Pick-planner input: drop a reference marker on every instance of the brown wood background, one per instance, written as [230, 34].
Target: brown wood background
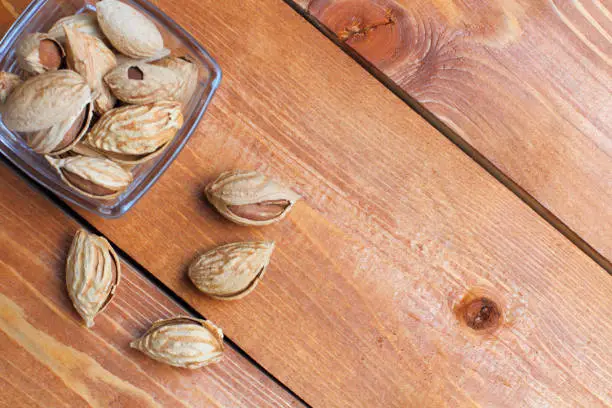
[526, 83]
[397, 226]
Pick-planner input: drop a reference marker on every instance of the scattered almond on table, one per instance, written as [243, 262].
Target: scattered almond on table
[93, 272]
[182, 342]
[99, 95]
[250, 198]
[231, 271]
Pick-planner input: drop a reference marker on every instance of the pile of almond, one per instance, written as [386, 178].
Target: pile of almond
[100, 95]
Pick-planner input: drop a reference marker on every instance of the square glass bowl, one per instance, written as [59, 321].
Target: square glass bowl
[39, 17]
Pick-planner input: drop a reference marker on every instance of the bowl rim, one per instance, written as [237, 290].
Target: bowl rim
[122, 206]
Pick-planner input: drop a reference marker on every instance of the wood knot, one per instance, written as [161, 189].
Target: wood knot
[479, 312]
[400, 40]
[374, 29]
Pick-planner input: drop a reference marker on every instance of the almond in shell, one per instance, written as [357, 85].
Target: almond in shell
[134, 134]
[8, 82]
[84, 149]
[44, 100]
[93, 272]
[88, 56]
[86, 23]
[51, 111]
[129, 31]
[182, 342]
[187, 70]
[141, 83]
[37, 53]
[250, 198]
[122, 59]
[62, 136]
[231, 271]
[94, 177]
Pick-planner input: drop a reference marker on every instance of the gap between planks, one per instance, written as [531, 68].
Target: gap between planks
[461, 143]
[136, 266]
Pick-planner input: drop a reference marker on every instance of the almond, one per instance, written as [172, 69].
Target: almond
[91, 176]
[61, 137]
[142, 83]
[250, 198]
[86, 23]
[45, 100]
[231, 271]
[130, 31]
[88, 56]
[182, 341]
[93, 272]
[188, 72]
[38, 53]
[134, 134]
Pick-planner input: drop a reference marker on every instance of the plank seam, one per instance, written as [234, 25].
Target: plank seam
[458, 141]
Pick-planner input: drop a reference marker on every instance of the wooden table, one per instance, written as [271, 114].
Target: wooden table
[445, 150]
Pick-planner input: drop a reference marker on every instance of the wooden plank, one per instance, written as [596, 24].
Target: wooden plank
[397, 226]
[527, 84]
[359, 305]
[49, 359]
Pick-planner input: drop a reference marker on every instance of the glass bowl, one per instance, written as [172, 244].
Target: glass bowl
[39, 17]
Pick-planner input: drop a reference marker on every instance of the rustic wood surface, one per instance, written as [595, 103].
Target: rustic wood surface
[526, 83]
[397, 226]
[362, 303]
[50, 359]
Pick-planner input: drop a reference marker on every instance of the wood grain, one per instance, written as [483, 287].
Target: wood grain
[361, 305]
[528, 84]
[49, 358]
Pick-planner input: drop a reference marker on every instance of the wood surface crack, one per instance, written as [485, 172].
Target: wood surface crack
[357, 29]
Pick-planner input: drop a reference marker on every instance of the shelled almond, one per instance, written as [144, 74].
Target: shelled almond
[96, 97]
[38, 53]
